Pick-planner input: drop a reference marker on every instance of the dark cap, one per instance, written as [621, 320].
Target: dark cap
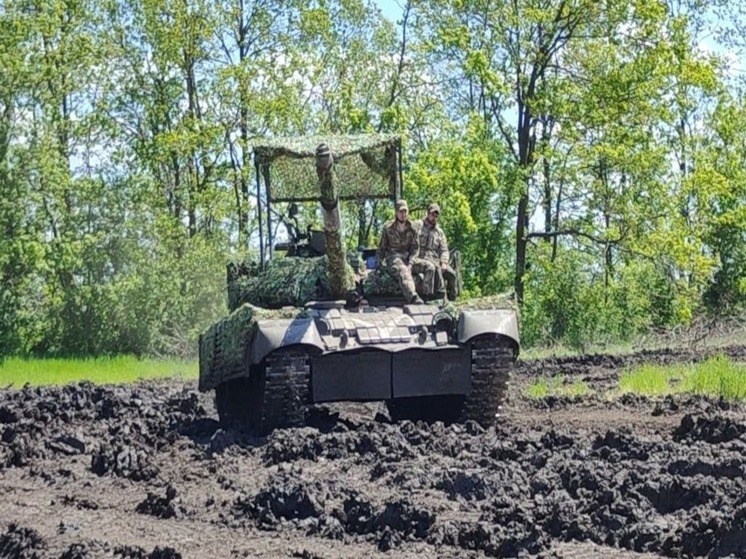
[401, 205]
[433, 208]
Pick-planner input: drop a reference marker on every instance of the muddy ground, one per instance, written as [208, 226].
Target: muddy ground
[144, 471]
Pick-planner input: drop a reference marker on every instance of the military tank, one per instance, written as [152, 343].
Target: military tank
[309, 324]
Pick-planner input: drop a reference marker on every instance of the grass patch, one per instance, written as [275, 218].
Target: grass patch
[102, 370]
[652, 380]
[719, 376]
[556, 386]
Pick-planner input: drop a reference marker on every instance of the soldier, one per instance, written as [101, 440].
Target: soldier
[434, 249]
[398, 249]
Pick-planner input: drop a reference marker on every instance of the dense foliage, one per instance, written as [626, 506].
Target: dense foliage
[590, 156]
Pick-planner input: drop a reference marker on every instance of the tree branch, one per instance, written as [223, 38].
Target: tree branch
[400, 66]
[573, 232]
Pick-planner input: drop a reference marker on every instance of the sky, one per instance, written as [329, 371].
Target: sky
[390, 8]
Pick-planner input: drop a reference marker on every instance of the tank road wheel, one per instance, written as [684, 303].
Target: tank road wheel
[492, 360]
[276, 394]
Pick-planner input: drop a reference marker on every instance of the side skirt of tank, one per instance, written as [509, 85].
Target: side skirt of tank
[382, 375]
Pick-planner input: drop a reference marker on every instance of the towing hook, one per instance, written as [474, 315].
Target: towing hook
[422, 335]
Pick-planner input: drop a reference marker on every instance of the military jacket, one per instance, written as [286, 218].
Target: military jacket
[403, 244]
[433, 244]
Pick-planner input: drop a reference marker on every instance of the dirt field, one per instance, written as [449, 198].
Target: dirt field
[145, 471]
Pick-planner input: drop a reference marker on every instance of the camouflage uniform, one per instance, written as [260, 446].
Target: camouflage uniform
[397, 250]
[434, 249]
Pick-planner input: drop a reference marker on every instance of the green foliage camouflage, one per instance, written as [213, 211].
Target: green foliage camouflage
[222, 347]
[304, 147]
[491, 302]
[382, 282]
[290, 281]
[363, 165]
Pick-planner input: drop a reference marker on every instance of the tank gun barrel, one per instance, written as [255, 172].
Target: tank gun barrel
[335, 252]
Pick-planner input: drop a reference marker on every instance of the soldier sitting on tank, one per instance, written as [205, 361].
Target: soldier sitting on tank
[398, 249]
[434, 251]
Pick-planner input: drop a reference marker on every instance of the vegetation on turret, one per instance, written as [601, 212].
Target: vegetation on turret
[289, 282]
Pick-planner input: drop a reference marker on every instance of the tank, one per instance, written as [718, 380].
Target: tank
[312, 322]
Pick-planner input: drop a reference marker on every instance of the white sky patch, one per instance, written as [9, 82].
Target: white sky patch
[732, 60]
[391, 9]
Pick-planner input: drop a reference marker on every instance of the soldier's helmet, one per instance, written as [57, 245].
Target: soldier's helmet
[433, 208]
[401, 205]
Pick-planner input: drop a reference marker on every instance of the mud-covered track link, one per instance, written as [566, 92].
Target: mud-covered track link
[276, 394]
[492, 361]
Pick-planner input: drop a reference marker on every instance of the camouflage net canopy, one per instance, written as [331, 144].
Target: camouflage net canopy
[364, 166]
[504, 301]
[382, 282]
[289, 281]
[222, 347]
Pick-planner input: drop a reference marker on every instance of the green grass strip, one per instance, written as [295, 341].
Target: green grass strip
[651, 380]
[17, 372]
[556, 386]
[718, 376]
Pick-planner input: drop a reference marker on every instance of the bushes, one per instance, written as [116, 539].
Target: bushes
[156, 303]
[571, 301]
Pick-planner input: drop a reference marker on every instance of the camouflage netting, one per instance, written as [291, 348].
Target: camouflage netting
[500, 301]
[222, 347]
[380, 282]
[286, 282]
[364, 166]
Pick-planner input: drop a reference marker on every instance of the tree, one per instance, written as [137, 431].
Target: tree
[516, 65]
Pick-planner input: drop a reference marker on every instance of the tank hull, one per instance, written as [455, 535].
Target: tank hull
[363, 354]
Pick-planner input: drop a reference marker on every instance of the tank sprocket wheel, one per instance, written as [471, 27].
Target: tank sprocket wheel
[275, 395]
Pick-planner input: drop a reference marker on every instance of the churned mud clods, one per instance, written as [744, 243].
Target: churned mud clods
[146, 471]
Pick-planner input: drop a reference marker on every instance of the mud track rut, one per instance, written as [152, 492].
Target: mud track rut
[144, 471]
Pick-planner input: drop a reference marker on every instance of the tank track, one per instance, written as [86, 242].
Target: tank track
[283, 399]
[492, 360]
